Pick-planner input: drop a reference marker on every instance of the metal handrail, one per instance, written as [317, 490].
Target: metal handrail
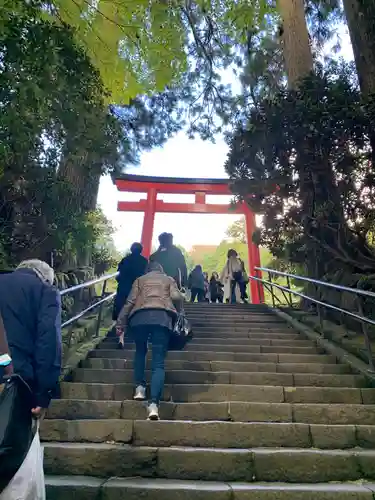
[103, 299]
[317, 282]
[88, 283]
[358, 317]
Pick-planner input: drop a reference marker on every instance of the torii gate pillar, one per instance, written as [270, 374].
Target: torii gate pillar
[199, 187]
[148, 222]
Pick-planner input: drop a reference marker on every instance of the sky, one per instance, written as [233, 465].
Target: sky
[179, 157]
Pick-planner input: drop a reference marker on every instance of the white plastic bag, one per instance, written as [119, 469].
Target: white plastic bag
[28, 482]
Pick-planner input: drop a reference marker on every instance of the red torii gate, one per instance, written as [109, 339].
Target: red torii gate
[200, 188]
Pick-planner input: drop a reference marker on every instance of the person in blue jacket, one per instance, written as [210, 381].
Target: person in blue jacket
[30, 307]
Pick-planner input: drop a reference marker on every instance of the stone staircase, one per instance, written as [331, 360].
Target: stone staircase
[252, 411]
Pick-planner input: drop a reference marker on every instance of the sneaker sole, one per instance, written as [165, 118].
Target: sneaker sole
[138, 398]
[153, 418]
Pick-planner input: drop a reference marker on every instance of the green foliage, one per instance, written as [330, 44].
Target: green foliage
[140, 46]
[57, 137]
[237, 230]
[188, 259]
[216, 260]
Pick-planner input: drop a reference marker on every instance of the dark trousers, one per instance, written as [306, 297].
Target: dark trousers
[197, 293]
[242, 287]
[216, 298]
[159, 337]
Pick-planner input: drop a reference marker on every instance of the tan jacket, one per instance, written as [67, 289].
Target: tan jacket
[154, 290]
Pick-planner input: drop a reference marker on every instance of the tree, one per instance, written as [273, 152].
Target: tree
[58, 137]
[237, 230]
[137, 46]
[316, 216]
[264, 161]
[188, 259]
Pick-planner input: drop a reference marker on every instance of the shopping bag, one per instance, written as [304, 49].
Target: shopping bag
[28, 482]
[181, 334]
[15, 427]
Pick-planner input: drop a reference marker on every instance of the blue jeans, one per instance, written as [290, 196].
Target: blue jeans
[159, 337]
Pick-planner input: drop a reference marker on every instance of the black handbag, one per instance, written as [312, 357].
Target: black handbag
[16, 432]
[181, 334]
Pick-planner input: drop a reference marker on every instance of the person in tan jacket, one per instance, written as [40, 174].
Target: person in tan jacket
[150, 312]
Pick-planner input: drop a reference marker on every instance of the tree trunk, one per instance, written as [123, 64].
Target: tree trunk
[360, 15]
[295, 41]
[83, 182]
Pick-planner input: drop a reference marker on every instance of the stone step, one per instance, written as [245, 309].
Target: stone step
[270, 319]
[227, 311]
[240, 335]
[338, 414]
[228, 333]
[239, 325]
[194, 346]
[110, 376]
[224, 356]
[90, 488]
[224, 392]
[248, 338]
[250, 322]
[244, 342]
[291, 465]
[218, 366]
[209, 434]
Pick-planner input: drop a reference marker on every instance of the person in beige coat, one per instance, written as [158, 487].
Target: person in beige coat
[150, 312]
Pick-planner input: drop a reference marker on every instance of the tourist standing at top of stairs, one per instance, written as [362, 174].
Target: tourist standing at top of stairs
[234, 274]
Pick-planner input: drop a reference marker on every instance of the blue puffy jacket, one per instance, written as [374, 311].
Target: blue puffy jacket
[31, 312]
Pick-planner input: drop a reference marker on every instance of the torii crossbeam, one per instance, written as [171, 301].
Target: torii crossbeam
[200, 188]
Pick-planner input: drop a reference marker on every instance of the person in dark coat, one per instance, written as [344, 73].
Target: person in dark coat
[30, 307]
[196, 284]
[171, 259]
[216, 289]
[130, 268]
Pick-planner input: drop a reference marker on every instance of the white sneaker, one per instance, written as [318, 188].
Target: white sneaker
[153, 412]
[140, 393]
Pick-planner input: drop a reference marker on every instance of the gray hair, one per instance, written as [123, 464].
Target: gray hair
[154, 266]
[40, 268]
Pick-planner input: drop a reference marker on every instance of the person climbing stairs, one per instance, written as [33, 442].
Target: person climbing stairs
[252, 411]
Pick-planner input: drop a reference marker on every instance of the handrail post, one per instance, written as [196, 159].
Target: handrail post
[367, 338]
[272, 292]
[100, 313]
[290, 293]
[261, 297]
[319, 312]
